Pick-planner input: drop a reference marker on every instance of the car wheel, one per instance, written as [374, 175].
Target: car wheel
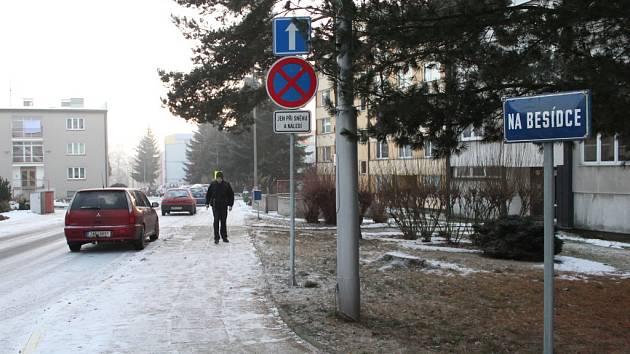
[157, 232]
[163, 213]
[141, 242]
[74, 247]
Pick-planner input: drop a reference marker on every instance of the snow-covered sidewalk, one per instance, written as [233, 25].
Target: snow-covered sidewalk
[25, 221]
[182, 294]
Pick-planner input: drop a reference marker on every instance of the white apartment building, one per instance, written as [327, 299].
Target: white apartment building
[63, 149]
[175, 146]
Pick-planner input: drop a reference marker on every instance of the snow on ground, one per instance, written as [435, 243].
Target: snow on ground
[593, 241]
[584, 266]
[182, 294]
[24, 221]
[398, 259]
[446, 268]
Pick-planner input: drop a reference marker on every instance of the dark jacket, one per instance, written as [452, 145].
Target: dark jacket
[220, 195]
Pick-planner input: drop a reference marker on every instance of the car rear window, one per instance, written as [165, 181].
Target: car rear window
[197, 192]
[176, 193]
[102, 200]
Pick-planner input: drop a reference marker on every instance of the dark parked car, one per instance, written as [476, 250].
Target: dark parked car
[177, 200]
[199, 193]
[111, 215]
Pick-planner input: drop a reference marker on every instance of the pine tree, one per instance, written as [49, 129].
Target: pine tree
[486, 50]
[146, 165]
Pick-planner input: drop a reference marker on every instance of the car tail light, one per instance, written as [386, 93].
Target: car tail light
[67, 218]
[132, 218]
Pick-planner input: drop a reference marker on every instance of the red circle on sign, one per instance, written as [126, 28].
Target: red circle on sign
[304, 93]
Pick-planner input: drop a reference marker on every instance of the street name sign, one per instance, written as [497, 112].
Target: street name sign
[291, 35]
[547, 119]
[551, 117]
[291, 82]
[292, 122]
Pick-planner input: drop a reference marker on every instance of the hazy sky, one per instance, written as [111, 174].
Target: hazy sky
[107, 51]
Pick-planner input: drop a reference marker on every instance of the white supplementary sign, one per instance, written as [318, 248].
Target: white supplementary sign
[292, 121]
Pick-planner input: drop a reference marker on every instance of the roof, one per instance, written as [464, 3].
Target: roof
[54, 109]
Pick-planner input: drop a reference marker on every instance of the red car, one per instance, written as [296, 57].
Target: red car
[178, 199]
[111, 215]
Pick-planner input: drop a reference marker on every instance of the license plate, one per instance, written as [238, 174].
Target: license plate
[176, 208]
[98, 234]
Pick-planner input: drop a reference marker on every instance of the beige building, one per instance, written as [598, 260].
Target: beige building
[376, 158]
[64, 149]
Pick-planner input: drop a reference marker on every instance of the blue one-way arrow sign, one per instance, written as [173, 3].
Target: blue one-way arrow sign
[291, 35]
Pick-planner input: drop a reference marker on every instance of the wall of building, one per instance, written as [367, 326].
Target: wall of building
[601, 195]
[53, 172]
[175, 157]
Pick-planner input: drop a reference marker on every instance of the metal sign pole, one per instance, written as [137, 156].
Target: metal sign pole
[292, 206]
[549, 237]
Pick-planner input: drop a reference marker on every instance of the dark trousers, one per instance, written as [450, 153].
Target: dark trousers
[220, 217]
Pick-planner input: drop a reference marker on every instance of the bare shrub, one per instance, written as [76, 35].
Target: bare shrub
[311, 190]
[413, 204]
[454, 227]
[365, 201]
[378, 211]
[328, 198]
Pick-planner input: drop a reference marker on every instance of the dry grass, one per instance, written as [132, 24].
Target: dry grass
[409, 310]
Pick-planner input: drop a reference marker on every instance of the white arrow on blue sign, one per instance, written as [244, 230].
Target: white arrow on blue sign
[291, 35]
[551, 117]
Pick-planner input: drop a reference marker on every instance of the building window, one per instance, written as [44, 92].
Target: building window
[605, 150]
[382, 150]
[472, 133]
[431, 180]
[75, 149]
[476, 172]
[27, 128]
[431, 72]
[326, 154]
[428, 149]
[404, 151]
[76, 173]
[363, 167]
[75, 123]
[363, 104]
[405, 79]
[28, 152]
[326, 126]
[326, 98]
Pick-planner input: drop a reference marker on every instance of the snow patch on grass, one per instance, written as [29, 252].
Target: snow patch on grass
[446, 268]
[584, 266]
[593, 241]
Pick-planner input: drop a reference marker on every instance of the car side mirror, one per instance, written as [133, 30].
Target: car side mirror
[155, 205]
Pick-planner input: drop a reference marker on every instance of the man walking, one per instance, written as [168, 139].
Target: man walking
[221, 197]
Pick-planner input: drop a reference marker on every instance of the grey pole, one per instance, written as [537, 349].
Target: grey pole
[548, 277]
[292, 206]
[255, 85]
[348, 287]
[255, 154]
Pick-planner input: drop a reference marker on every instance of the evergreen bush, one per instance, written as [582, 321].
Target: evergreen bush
[5, 190]
[513, 237]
